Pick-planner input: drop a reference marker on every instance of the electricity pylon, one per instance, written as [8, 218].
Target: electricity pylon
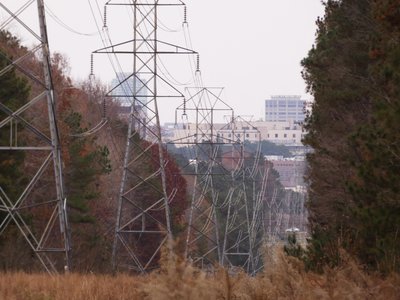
[39, 210]
[228, 179]
[243, 230]
[225, 220]
[209, 176]
[144, 216]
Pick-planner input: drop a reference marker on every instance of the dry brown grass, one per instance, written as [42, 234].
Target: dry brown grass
[285, 279]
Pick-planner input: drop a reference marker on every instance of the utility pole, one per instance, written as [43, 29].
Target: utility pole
[47, 232]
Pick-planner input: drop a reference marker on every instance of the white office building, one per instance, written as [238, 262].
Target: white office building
[285, 109]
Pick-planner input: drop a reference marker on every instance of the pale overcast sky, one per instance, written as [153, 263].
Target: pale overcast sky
[251, 48]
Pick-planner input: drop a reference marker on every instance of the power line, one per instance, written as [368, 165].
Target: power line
[64, 25]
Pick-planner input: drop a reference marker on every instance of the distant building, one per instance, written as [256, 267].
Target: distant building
[232, 159]
[282, 133]
[285, 109]
[291, 171]
[124, 86]
[128, 90]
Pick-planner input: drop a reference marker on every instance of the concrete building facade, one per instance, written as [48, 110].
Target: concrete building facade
[283, 133]
[285, 108]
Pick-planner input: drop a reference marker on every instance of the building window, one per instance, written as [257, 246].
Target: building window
[294, 135]
[276, 135]
[247, 135]
[285, 135]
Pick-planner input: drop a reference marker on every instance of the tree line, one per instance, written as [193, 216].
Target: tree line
[353, 72]
[91, 163]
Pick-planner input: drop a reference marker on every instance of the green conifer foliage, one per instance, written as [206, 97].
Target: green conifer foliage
[87, 161]
[353, 72]
[377, 146]
[14, 92]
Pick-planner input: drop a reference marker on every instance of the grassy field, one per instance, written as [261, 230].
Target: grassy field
[285, 279]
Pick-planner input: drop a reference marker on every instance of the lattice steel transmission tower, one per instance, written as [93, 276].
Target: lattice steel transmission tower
[258, 228]
[144, 216]
[244, 213]
[38, 210]
[199, 138]
[225, 220]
